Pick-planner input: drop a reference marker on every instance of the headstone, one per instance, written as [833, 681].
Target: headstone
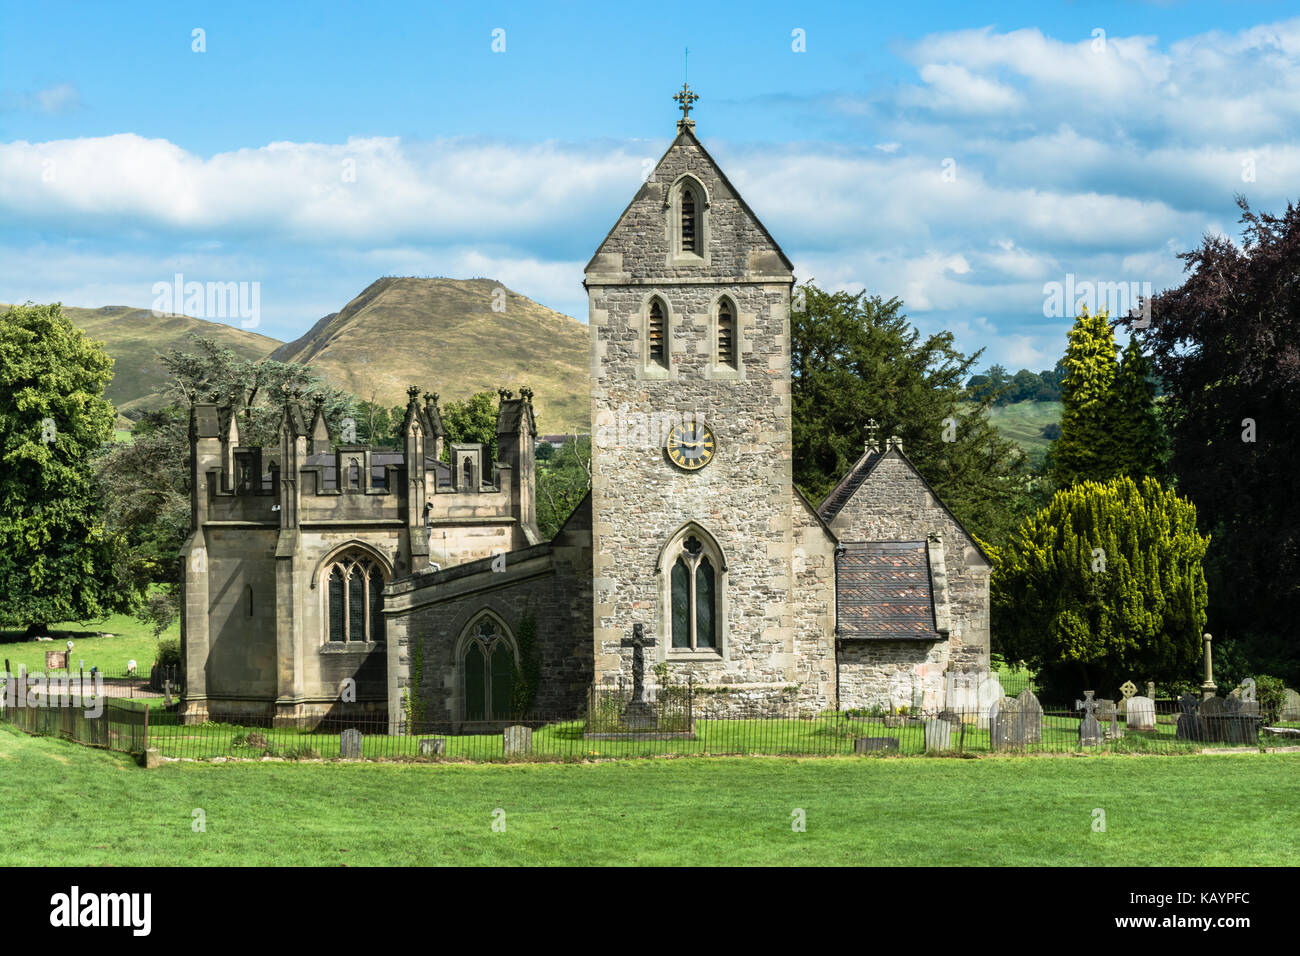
[1127, 689]
[1105, 709]
[1090, 732]
[517, 741]
[951, 716]
[1151, 689]
[350, 744]
[865, 745]
[56, 660]
[1213, 716]
[255, 739]
[1290, 704]
[639, 715]
[990, 690]
[152, 759]
[1030, 728]
[433, 746]
[998, 715]
[1190, 726]
[938, 734]
[961, 693]
[1240, 726]
[1141, 713]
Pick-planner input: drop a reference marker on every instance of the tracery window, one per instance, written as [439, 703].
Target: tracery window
[487, 662]
[694, 590]
[354, 595]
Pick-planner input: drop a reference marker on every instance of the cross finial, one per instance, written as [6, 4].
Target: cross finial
[685, 98]
[872, 427]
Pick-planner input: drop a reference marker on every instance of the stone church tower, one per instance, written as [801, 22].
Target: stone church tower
[691, 506]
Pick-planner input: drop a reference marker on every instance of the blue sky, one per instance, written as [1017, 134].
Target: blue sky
[958, 155]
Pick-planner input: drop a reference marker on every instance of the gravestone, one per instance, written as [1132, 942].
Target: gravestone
[865, 745]
[1106, 709]
[56, 660]
[1213, 715]
[1290, 705]
[1151, 689]
[938, 734]
[1240, 726]
[256, 739]
[1090, 732]
[1127, 689]
[1190, 726]
[517, 741]
[350, 744]
[951, 716]
[639, 714]
[1031, 717]
[990, 690]
[433, 746]
[1141, 713]
[961, 693]
[999, 713]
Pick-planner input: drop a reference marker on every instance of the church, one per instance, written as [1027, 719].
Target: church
[325, 579]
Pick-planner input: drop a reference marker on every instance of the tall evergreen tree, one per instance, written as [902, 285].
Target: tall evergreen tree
[1087, 449]
[1140, 445]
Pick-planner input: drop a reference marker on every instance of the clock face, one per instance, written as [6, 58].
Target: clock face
[690, 446]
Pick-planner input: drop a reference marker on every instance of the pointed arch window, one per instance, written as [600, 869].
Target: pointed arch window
[695, 595]
[354, 595]
[726, 334]
[656, 334]
[487, 665]
[354, 474]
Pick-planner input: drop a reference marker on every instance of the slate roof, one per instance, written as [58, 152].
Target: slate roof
[883, 592]
[848, 485]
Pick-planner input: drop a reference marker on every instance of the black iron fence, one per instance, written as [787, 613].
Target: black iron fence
[613, 725]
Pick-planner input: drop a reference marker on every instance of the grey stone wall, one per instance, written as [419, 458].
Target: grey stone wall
[741, 499]
[894, 503]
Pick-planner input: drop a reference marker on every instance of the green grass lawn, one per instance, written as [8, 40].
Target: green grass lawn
[97, 808]
[131, 640]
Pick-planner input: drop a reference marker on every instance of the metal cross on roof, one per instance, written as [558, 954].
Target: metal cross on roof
[684, 100]
[872, 427]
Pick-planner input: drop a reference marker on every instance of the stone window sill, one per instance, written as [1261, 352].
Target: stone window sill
[685, 654]
[346, 647]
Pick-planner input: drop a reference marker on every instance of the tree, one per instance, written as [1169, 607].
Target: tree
[1226, 347]
[1140, 444]
[1087, 449]
[856, 358]
[1102, 585]
[473, 420]
[562, 482]
[58, 561]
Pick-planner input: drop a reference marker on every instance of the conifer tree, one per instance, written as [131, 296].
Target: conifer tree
[1088, 447]
[1140, 445]
[1103, 584]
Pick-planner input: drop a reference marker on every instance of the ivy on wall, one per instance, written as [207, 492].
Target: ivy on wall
[527, 674]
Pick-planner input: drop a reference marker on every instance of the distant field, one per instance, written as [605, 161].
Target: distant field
[96, 808]
[1023, 423]
[131, 640]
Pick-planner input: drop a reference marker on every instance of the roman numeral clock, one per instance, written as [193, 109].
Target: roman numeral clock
[690, 446]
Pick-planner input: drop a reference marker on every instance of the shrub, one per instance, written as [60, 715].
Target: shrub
[1270, 693]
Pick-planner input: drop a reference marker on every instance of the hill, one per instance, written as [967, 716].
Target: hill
[135, 338]
[1023, 423]
[443, 335]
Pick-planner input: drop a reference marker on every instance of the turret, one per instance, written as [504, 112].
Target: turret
[516, 434]
[293, 456]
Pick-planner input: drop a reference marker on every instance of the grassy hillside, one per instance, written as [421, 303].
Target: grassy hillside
[135, 338]
[443, 335]
[1023, 423]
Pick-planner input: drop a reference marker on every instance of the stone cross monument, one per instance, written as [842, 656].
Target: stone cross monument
[639, 714]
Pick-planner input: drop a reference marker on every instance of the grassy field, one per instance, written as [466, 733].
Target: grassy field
[130, 640]
[98, 808]
[1023, 424]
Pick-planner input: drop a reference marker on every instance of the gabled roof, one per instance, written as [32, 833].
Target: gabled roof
[884, 592]
[686, 137]
[848, 486]
[839, 496]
